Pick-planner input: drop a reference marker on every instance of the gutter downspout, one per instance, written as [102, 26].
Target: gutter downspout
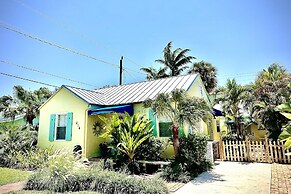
[85, 132]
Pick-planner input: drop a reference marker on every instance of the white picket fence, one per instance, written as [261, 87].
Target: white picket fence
[254, 151]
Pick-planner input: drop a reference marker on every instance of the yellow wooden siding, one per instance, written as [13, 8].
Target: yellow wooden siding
[92, 141]
[63, 102]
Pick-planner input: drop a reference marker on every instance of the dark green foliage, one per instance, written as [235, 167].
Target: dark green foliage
[151, 150]
[105, 150]
[14, 140]
[65, 179]
[165, 129]
[176, 173]
[191, 161]
[207, 73]
[229, 137]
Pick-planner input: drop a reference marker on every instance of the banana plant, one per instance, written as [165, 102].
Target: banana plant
[285, 109]
[134, 131]
[126, 132]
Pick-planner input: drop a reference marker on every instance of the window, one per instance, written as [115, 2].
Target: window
[218, 126]
[165, 129]
[61, 127]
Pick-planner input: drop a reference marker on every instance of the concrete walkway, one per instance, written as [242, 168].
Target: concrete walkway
[231, 177]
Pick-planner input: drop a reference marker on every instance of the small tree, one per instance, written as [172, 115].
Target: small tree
[126, 132]
[180, 109]
[233, 98]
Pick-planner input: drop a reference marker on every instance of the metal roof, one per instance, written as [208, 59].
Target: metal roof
[89, 96]
[135, 92]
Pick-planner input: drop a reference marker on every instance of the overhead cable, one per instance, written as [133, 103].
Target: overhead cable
[45, 73]
[26, 79]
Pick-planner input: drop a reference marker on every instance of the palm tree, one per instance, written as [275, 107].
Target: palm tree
[8, 107]
[29, 101]
[274, 72]
[207, 72]
[153, 74]
[180, 109]
[271, 88]
[232, 98]
[175, 60]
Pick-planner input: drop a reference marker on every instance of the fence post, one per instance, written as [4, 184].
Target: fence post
[267, 154]
[248, 149]
[221, 151]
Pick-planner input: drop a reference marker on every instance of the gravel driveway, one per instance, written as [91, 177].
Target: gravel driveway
[231, 177]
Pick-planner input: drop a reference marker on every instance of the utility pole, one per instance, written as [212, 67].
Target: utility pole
[120, 70]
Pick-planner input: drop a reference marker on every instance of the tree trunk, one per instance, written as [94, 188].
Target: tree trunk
[176, 144]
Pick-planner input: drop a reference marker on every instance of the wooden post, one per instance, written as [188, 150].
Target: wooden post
[267, 153]
[248, 149]
[221, 151]
[271, 152]
[279, 151]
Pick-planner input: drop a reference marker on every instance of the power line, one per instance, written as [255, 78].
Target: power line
[45, 73]
[62, 47]
[26, 79]
[56, 45]
[70, 29]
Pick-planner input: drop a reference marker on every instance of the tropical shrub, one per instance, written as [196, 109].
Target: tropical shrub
[14, 139]
[271, 89]
[285, 110]
[33, 158]
[191, 161]
[151, 149]
[127, 133]
[60, 176]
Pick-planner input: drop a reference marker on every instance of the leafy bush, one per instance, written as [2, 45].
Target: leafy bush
[151, 150]
[33, 158]
[60, 176]
[126, 133]
[13, 140]
[191, 161]
[176, 173]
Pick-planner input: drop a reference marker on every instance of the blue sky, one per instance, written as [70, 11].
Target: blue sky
[239, 38]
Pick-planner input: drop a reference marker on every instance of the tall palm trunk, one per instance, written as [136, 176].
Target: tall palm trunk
[176, 144]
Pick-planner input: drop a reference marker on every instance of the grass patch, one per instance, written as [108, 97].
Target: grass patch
[12, 176]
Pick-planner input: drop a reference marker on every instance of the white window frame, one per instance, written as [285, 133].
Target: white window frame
[56, 125]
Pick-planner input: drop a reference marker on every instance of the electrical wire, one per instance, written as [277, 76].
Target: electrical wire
[61, 47]
[26, 79]
[56, 45]
[45, 73]
[71, 30]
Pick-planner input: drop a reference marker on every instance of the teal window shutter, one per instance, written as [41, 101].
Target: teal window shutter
[153, 118]
[52, 127]
[181, 130]
[69, 126]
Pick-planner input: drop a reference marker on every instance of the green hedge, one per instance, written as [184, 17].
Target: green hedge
[94, 179]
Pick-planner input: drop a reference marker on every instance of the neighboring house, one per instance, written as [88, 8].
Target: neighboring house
[67, 118]
[18, 121]
[224, 125]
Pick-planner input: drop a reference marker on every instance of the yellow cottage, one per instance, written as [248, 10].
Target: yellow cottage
[67, 118]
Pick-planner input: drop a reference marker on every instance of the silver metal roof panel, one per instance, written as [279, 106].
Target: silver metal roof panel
[135, 92]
